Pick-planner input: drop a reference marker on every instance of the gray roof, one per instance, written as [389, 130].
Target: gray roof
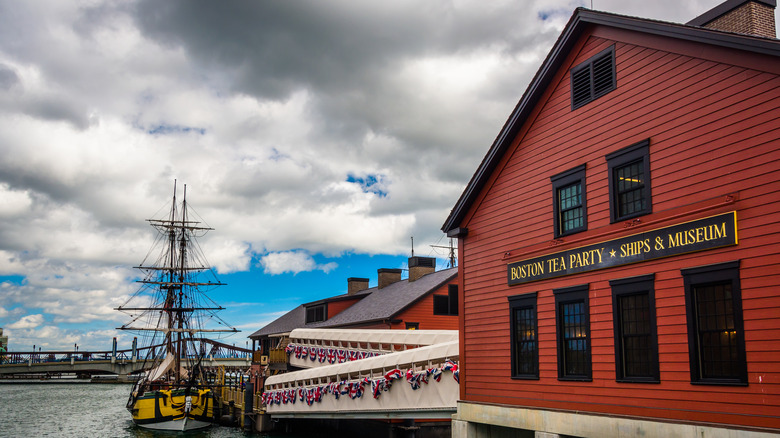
[291, 320]
[377, 305]
[390, 301]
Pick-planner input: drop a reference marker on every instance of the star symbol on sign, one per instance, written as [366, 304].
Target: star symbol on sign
[612, 253]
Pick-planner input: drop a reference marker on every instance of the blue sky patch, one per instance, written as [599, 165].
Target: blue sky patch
[369, 183]
[174, 129]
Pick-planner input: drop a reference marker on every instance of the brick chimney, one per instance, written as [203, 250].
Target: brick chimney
[419, 266]
[388, 277]
[751, 17]
[355, 285]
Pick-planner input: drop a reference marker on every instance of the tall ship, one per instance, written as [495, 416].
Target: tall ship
[172, 314]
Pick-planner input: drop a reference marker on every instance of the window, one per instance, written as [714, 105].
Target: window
[523, 336]
[316, 313]
[629, 182]
[593, 78]
[446, 304]
[636, 339]
[716, 337]
[569, 209]
[573, 331]
[412, 326]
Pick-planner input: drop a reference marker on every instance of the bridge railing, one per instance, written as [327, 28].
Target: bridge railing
[217, 350]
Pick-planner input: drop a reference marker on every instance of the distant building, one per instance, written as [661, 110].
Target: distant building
[426, 300]
[619, 243]
[3, 341]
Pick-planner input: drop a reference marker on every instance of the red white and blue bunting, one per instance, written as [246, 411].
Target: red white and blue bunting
[355, 389]
[330, 355]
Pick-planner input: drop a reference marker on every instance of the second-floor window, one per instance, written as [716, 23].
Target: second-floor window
[316, 313]
[629, 182]
[446, 304]
[569, 207]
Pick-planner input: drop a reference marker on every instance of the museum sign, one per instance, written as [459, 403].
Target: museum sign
[699, 235]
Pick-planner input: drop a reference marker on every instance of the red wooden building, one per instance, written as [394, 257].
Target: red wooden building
[426, 300]
[619, 243]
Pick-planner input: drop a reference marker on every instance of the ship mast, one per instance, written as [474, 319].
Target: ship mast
[173, 284]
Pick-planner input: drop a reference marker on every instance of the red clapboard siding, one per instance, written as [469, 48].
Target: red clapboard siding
[422, 312]
[336, 307]
[713, 129]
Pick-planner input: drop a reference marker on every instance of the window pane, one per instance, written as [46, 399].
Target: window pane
[575, 338]
[441, 304]
[635, 335]
[525, 341]
[716, 332]
[570, 207]
[630, 185]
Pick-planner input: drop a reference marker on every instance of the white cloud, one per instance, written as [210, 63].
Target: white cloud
[27, 322]
[293, 262]
[265, 110]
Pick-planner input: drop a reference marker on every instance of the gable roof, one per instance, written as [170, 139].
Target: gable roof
[286, 323]
[390, 301]
[377, 305]
[580, 21]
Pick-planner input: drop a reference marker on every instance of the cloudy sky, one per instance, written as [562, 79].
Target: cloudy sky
[316, 137]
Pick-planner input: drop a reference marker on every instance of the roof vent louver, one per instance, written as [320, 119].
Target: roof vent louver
[593, 78]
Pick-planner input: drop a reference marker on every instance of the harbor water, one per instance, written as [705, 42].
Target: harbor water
[82, 410]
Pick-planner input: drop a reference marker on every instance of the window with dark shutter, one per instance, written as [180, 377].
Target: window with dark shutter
[569, 207]
[716, 333]
[523, 336]
[572, 319]
[636, 338]
[446, 304]
[629, 182]
[316, 313]
[593, 78]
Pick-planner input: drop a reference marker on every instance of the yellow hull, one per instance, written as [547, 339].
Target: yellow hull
[169, 409]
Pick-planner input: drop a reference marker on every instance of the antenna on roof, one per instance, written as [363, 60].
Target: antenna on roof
[452, 252]
[412, 246]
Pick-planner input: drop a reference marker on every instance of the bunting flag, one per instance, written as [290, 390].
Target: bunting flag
[452, 366]
[355, 389]
[435, 373]
[376, 387]
[332, 355]
[413, 378]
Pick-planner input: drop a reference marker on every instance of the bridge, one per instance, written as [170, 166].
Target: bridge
[118, 362]
[367, 374]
